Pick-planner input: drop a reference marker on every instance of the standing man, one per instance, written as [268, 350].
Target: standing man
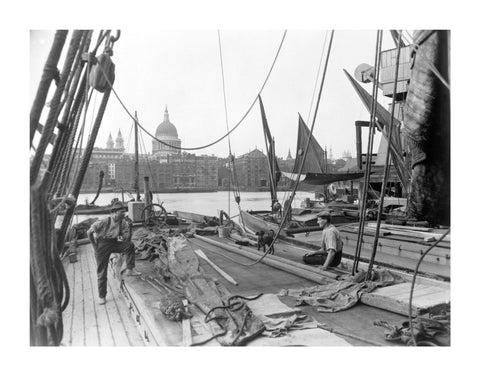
[331, 244]
[111, 235]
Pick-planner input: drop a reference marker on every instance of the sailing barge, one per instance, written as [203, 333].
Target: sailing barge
[199, 285]
[134, 314]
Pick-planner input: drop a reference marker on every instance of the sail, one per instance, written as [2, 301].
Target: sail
[313, 171]
[383, 120]
[427, 124]
[315, 158]
[274, 170]
[323, 178]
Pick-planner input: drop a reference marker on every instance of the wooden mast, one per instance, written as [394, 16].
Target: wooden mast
[137, 188]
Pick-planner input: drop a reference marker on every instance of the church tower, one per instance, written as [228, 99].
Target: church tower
[289, 156]
[110, 144]
[119, 141]
[167, 133]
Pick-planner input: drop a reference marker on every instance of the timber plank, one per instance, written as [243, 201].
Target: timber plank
[427, 300]
[104, 329]
[164, 331]
[186, 332]
[402, 248]
[91, 324]
[78, 318]
[401, 262]
[398, 289]
[399, 303]
[118, 328]
[419, 291]
[68, 313]
[407, 243]
[131, 330]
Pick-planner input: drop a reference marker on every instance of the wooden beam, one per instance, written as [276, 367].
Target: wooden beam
[225, 275]
[186, 333]
[321, 276]
[40, 130]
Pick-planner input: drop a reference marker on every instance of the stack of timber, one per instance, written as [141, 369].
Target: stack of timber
[429, 295]
[398, 247]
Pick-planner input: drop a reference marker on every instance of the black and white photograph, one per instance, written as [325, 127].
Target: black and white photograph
[224, 184]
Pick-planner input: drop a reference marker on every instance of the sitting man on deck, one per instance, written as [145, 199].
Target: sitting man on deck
[331, 244]
[111, 235]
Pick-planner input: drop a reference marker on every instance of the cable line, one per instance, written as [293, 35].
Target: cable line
[226, 114]
[285, 214]
[221, 138]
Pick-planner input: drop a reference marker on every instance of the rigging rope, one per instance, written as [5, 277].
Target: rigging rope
[410, 299]
[66, 132]
[226, 112]
[371, 132]
[386, 169]
[316, 78]
[50, 292]
[221, 138]
[286, 212]
[435, 71]
[49, 72]
[54, 108]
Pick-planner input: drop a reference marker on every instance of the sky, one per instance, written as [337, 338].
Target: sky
[181, 69]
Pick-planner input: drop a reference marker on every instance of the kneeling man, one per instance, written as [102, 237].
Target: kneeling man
[331, 245]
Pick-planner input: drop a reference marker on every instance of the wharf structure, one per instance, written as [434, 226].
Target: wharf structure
[171, 170]
[168, 167]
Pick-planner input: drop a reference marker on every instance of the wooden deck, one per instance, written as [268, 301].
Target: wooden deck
[86, 323]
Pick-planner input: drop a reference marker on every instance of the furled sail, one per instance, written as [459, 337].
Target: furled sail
[427, 125]
[274, 170]
[313, 171]
[323, 178]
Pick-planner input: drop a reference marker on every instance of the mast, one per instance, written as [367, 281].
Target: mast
[136, 186]
[273, 172]
[325, 187]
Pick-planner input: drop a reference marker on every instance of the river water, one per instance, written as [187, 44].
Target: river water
[206, 203]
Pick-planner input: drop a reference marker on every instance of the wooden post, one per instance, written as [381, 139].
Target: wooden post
[146, 183]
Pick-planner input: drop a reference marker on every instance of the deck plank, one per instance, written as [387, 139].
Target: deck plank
[116, 323]
[424, 298]
[78, 319]
[104, 329]
[130, 327]
[86, 323]
[91, 324]
[67, 315]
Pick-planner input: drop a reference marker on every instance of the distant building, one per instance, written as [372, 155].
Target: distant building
[252, 171]
[168, 168]
[166, 132]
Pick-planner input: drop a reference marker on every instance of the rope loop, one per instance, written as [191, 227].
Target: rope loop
[48, 317]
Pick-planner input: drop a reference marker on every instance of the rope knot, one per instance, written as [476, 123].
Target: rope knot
[48, 317]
